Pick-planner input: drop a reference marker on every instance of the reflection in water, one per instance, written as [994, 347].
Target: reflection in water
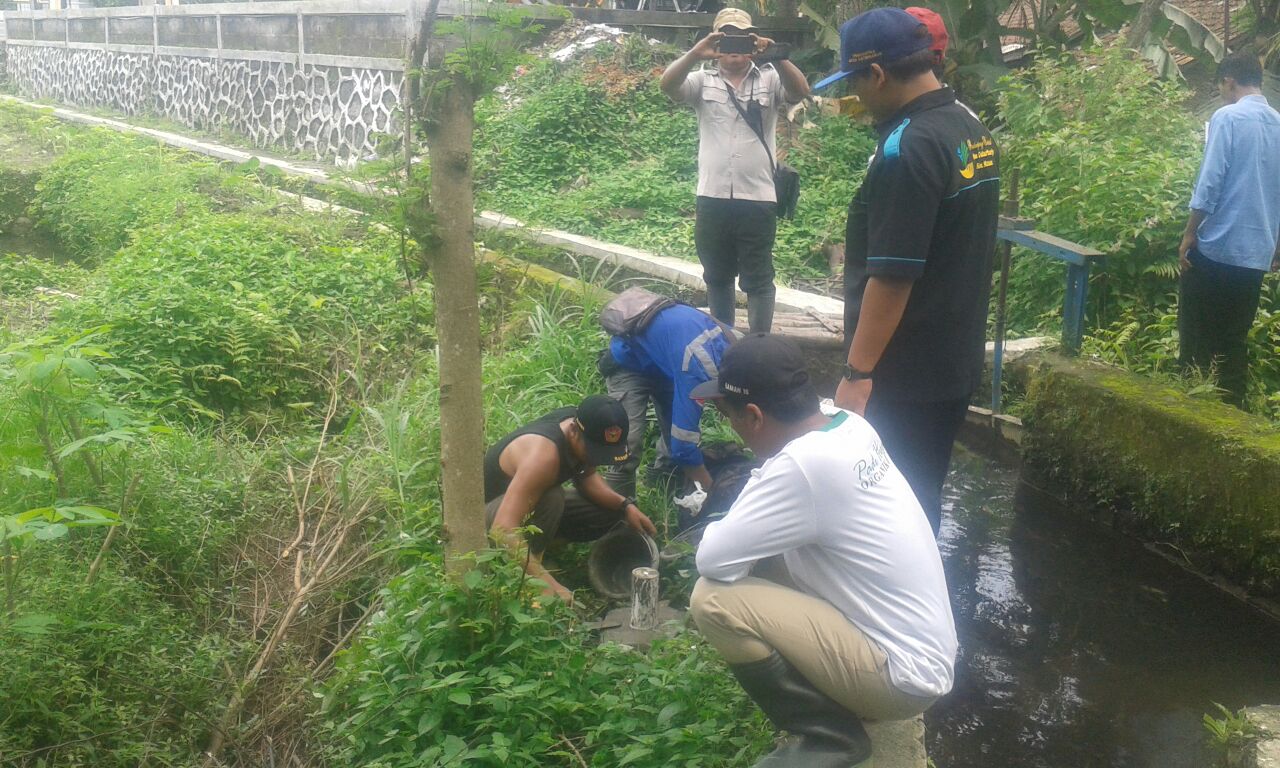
[1079, 648]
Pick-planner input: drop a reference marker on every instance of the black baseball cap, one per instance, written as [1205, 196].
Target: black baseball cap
[604, 426]
[762, 367]
[877, 36]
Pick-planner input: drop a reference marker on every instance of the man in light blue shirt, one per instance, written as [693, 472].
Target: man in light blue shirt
[1231, 237]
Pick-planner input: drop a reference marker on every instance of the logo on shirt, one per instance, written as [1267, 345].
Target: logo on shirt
[966, 160]
[872, 469]
[975, 156]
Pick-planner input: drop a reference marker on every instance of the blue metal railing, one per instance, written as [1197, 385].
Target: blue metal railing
[1079, 259]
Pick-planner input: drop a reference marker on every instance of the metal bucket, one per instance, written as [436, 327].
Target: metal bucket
[613, 557]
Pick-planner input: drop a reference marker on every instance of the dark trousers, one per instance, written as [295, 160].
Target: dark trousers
[561, 514]
[635, 391]
[1217, 304]
[918, 437]
[734, 238]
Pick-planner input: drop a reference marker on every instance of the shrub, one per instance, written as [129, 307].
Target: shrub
[230, 313]
[118, 679]
[20, 275]
[481, 673]
[94, 195]
[1107, 155]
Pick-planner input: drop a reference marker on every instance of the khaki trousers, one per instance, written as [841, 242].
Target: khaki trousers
[749, 619]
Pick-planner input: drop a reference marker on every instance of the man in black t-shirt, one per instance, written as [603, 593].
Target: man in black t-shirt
[524, 475]
[919, 244]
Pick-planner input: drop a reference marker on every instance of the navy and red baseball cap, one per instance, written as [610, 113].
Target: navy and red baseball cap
[937, 29]
[878, 36]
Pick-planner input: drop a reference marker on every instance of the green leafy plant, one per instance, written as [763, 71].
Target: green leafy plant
[1105, 153]
[485, 672]
[1229, 734]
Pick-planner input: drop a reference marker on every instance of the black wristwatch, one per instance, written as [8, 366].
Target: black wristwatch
[853, 374]
[626, 502]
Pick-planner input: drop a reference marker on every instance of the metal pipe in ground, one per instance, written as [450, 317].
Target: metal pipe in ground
[644, 598]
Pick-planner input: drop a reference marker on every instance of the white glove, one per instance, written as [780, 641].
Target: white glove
[694, 500]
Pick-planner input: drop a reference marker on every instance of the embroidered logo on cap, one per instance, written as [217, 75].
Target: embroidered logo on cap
[613, 434]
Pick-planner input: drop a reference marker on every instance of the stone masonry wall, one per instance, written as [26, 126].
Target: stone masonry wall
[329, 112]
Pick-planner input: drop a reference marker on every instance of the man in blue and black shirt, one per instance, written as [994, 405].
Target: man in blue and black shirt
[919, 243]
[1232, 233]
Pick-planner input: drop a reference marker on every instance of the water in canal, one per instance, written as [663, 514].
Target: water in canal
[1078, 648]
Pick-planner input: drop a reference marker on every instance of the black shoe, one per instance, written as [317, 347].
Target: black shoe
[827, 734]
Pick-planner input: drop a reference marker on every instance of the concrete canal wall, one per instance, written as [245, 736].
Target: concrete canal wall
[1197, 479]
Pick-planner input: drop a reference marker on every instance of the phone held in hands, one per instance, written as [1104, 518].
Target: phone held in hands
[737, 44]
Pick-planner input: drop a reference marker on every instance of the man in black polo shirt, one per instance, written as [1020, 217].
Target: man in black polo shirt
[919, 243]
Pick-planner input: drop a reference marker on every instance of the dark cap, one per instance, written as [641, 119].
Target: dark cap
[604, 426]
[878, 36]
[762, 368]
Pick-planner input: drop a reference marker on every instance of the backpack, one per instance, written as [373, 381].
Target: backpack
[632, 311]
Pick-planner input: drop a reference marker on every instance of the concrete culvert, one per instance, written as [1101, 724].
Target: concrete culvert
[613, 557]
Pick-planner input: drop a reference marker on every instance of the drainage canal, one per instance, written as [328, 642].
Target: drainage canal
[1079, 648]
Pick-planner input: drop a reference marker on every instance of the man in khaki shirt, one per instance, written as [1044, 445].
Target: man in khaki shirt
[737, 206]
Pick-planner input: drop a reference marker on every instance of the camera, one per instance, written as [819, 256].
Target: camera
[737, 44]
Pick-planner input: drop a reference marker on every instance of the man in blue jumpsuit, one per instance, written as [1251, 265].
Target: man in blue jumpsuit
[679, 349]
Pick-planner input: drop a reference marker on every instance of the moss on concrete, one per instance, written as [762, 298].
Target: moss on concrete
[1156, 463]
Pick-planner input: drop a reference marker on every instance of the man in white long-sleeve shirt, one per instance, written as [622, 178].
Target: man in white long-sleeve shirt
[864, 630]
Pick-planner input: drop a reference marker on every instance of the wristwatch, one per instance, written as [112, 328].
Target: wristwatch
[626, 502]
[853, 374]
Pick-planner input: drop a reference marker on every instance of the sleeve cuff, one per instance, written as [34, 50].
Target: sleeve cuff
[1202, 205]
[892, 266]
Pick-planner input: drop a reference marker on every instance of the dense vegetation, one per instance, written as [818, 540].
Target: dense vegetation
[592, 146]
[219, 507]
[219, 478]
[1108, 156]
[1106, 151]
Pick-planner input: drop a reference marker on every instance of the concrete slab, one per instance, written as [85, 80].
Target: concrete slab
[616, 627]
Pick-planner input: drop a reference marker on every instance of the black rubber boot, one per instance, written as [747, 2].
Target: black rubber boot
[760, 312]
[827, 734]
[721, 300]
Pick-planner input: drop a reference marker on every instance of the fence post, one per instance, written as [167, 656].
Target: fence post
[1006, 250]
[1073, 304]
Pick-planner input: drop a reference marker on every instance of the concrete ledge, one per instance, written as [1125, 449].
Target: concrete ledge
[1264, 752]
[673, 270]
[1196, 478]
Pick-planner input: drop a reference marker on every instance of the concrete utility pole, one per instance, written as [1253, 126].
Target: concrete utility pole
[1226, 27]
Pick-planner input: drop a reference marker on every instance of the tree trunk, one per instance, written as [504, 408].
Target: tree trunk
[1141, 26]
[453, 269]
